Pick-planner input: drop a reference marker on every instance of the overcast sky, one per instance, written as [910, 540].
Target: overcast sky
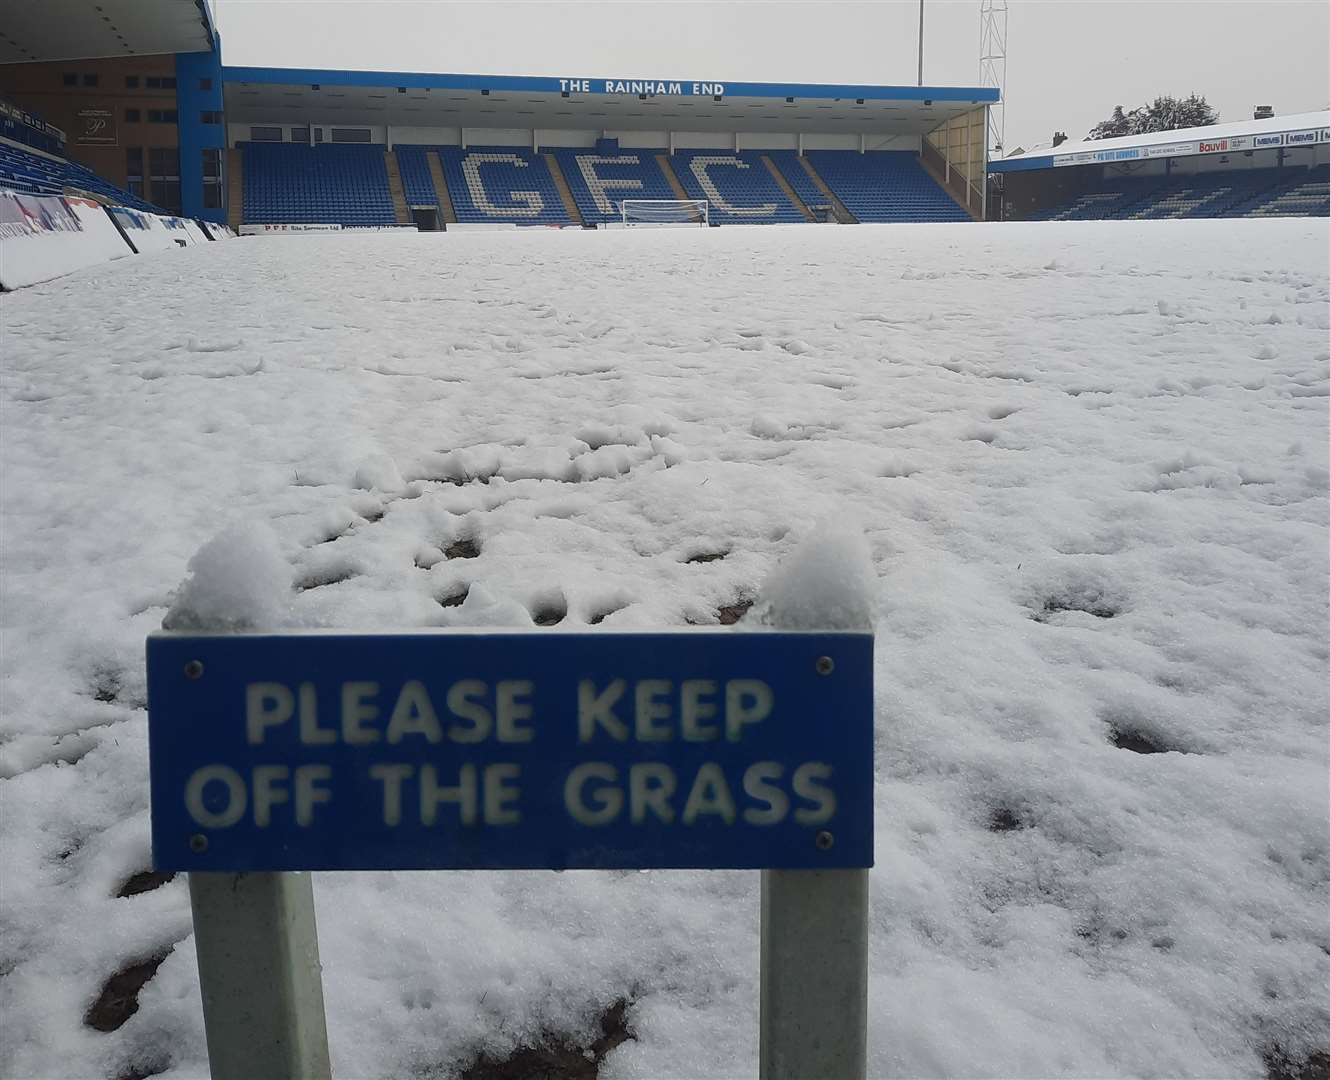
[1069, 61]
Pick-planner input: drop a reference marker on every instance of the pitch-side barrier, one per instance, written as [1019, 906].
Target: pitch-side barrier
[43, 237]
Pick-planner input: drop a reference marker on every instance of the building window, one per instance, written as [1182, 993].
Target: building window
[208, 117]
[205, 84]
[318, 135]
[265, 134]
[162, 116]
[131, 82]
[160, 82]
[300, 135]
[134, 170]
[70, 78]
[89, 80]
[212, 179]
[350, 135]
[133, 116]
[164, 163]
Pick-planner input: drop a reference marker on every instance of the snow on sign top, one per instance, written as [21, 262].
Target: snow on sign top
[509, 751]
[1217, 138]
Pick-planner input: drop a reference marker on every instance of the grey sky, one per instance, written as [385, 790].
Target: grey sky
[1069, 61]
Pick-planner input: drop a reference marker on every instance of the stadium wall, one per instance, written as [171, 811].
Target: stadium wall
[97, 111]
[199, 102]
[962, 145]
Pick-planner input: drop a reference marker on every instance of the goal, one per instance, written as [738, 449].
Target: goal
[664, 212]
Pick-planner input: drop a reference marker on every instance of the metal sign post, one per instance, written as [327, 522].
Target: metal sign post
[439, 750]
[814, 1018]
[259, 975]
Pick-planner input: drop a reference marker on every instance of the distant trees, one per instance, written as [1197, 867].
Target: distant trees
[1163, 114]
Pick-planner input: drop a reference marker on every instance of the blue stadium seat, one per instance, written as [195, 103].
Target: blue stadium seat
[335, 183]
[787, 161]
[885, 185]
[501, 184]
[737, 185]
[417, 183]
[1290, 191]
[37, 174]
[1305, 193]
[601, 179]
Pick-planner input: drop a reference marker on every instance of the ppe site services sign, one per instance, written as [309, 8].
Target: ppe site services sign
[478, 750]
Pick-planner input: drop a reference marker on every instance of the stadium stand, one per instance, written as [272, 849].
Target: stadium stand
[501, 184]
[1230, 193]
[787, 161]
[737, 185]
[348, 184]
[1305, 195]
[16, 125]
[615, 175]
[885, 185]
[339, 184]
[41, 174]
[416, 180]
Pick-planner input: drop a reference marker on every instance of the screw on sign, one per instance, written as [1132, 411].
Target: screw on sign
[443, 750]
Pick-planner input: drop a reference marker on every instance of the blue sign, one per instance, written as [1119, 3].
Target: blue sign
[477, 750]
[641, 86]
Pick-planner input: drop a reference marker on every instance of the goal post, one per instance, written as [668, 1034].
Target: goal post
[636, 212]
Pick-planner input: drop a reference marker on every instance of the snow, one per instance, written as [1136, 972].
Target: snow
[827, 582]
[1089, 464]
[238, 580]
[1213, 132]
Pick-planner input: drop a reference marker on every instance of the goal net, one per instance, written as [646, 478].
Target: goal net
[664, 212]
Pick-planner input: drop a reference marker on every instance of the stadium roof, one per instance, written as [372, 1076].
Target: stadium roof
[1184, 141]
[81, 30]
[271, 95]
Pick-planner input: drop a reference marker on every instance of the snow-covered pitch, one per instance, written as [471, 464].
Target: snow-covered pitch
[1090, 461]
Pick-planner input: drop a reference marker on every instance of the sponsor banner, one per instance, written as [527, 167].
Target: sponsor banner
[151, 232]
[35, 215]
[1092, 157]
[131, 219]
[260, 230]
[1073, 159]
[1132, 153]
[96, 128]
[46, 236]
[1184, 149]
[196, 234]
[1228, 144]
